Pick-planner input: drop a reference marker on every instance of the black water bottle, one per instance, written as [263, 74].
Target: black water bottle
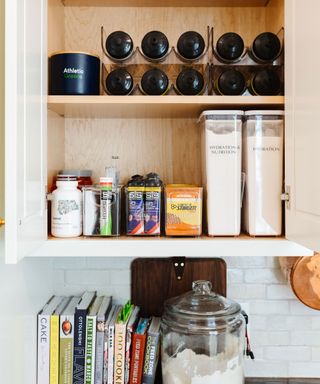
[119, 82]
[191, 45]
[119, 45]
[265, 83]
[266, 47]
[230, 47]
[154, 82]
[155, 45]
[230, 82]
[190, 82]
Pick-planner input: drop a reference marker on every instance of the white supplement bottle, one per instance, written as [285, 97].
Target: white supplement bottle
[263, 166]
[66, 211]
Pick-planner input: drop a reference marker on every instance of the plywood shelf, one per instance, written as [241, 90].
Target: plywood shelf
[203, 246]
[165, 3]
[154, 106]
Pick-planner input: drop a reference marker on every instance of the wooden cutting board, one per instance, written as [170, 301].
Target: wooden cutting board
[155, 280]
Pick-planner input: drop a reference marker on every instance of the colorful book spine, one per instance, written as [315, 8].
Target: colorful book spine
[150, 359]
[99, 352]
[54, 349]
[43, 349]
[111, 337]
[79, 346]
[137, 357]
[119, 353]
[90, 349]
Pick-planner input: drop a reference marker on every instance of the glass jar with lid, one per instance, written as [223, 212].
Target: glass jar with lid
[203, 338]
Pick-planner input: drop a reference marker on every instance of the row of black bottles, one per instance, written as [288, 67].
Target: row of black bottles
[264, 82]
[230, 47]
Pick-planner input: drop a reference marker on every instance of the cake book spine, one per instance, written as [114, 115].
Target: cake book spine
[137, 358]
[66, 348]
[119, 353]
[54, 349]
[150, 358]
[80, 319]
[90, 349]
[43, 349]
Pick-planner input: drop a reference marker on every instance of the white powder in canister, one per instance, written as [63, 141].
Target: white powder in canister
[222, 175]
[187, 367]
[263, 166]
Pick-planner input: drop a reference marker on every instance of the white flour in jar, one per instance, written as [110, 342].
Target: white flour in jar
[263, 166]
[222, 141]
[187, 367]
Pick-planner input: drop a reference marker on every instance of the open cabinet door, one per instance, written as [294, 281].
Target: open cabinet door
[303, 122]
[25, 126]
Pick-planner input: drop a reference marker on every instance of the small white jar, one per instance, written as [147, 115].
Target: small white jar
[66, 212]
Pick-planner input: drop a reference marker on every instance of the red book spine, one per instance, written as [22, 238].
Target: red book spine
[137, 357]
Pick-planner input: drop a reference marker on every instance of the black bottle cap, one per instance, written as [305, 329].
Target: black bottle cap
[191, 45]
[119, 45]
[119, 82]
[231, 82]
[266, 47]
[266, 83]
[230, 46]
[136, 181]
[190, 82]
[155, 45]
[154, 82]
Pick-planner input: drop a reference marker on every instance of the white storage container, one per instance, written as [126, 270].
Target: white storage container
[221, 166]
[263, 166]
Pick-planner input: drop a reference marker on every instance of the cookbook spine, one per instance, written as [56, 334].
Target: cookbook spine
[119, 353]
[137, 358]
[150, 359]
[54, 349]
[43, 349]
[90, 349]
[79, 346]
[99, 353]
[110, 354]
[66, 349]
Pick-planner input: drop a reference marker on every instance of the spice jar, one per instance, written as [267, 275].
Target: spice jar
[203, 338]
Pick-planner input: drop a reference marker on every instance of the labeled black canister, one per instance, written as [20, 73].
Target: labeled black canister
[230, 47]
[190, 82]
[74, 73]
[119, 82]
[191, 45]
[154, 82]
[230, 82]
[155, 45]
[119, 45]
[265, 83]
[266, 48]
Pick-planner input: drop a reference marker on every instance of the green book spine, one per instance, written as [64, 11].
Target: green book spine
[90, 349]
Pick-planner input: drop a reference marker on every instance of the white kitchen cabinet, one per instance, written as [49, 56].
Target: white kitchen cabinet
[147, 133]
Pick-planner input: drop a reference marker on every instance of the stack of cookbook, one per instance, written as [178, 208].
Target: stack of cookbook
[89, 340]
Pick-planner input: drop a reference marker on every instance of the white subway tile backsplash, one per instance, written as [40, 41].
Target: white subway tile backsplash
[265, 276]
[279, 292]
[234, 275]
[262, 368]
[109, 262]
[316, 354]
[297, 308]
[70, 263]
[118, 277]
[283, 323]
[246, 262]
[268, 338]
[245, 291]
[307, 338]
[287, 353]
[315, 323]
[265, 307]
[309, 369]
[93, 277]
[258, 323]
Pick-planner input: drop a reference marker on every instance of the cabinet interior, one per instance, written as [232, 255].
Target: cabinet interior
[168, 146]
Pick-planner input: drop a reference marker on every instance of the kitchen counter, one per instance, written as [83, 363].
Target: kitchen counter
[283, 381]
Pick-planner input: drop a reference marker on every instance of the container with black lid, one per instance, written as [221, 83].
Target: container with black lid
[266, 48]
[266, 82]
[119, 82]
[230, 82]
[190, 82]
[119, 46]
[230, 47]
[154, 82]
[155, 46]
[191, 45]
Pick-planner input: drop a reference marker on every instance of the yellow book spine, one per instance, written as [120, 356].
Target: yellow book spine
[54, 349]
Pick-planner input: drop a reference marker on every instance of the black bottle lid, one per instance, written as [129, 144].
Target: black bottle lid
[153, 180]
[154, 82]
[119, 45]
[155, 45]
[191, 45]
[265, 83]
[190, 82]
[136, 181]
[231, 82]
[230, 46]
[119, 82]
[266, 47]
